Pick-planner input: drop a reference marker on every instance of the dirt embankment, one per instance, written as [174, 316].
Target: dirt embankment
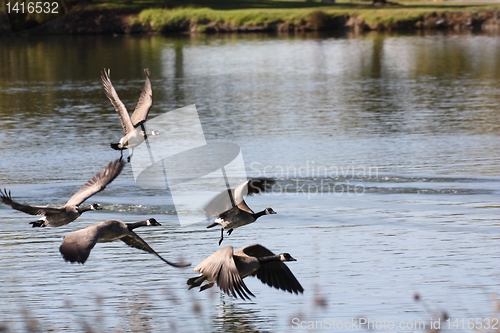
[119, 22]
[486, 20]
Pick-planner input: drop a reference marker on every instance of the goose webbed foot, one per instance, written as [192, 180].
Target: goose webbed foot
[206, 286]
[130, 156]
[37, 224]
[229, 231]
[221, 235]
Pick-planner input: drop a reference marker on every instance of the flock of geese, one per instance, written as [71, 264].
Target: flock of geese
[226, 267]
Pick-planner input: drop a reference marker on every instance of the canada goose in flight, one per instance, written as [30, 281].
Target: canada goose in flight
[58, 216]
[132, 126]
[234, 213]
[228, 269]
[77, 245]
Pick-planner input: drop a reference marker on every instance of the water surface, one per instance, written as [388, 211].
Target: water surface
[385, 148]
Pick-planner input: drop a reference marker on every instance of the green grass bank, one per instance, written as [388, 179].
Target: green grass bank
[203, 16]
[361, 17]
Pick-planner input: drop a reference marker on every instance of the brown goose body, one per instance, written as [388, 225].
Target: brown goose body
[231, 209]
[59, 216]
[227, 268]
[133, 126]
[77, 245]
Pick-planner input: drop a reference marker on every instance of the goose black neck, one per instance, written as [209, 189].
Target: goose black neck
[259, 214]
[132, 226]
[263, 260]
[83, 209]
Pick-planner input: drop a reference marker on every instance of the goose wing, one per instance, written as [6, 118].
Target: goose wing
[133, 240]
[255, 186]
[110, 92]
[97, 183]
[275, 273]
[238, 195]
[250, 187]
[77, 245]
[32, 210]
[221, 268]
[254, 250]
[222, 202]
[144, 103]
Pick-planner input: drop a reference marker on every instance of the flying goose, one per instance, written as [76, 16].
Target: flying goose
[132, 126]
[228, 269]
[58, 216]
[77, 245]
[231, 209]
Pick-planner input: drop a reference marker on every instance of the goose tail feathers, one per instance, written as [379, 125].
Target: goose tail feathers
[114, 146]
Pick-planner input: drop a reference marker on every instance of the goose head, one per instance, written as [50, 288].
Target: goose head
[287, 257]
[152, 222]
[270, 211]
[95, 206]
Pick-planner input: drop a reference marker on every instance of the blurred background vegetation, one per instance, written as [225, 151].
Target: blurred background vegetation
[126, 16]
[247, 4]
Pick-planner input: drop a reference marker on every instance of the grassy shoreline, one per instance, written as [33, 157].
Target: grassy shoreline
[357, 16]
[319, 18]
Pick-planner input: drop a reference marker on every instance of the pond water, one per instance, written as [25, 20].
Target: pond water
[388, 147]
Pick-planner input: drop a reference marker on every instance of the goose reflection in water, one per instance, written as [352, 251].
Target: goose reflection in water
[235, 319]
